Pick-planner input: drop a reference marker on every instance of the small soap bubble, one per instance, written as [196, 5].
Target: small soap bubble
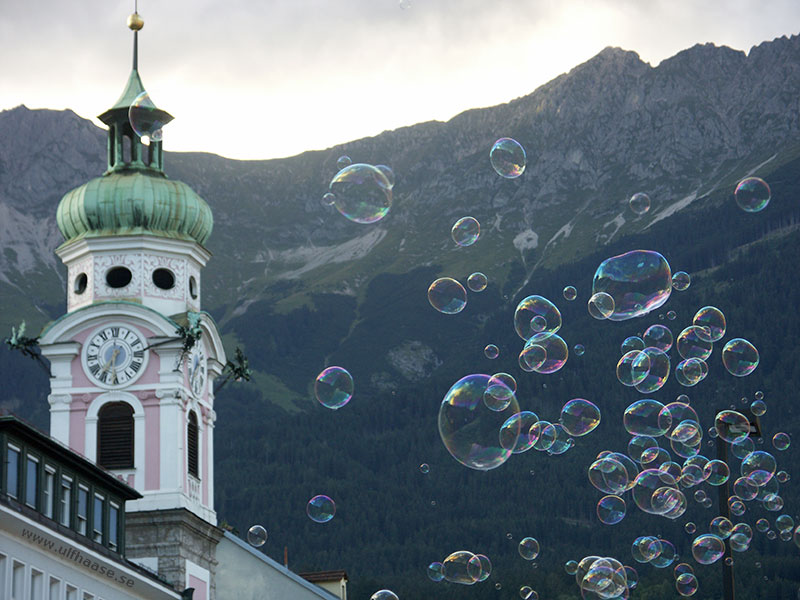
[477, 282]
[781, 441]
[447, 296]
[690, 528]
[424, 468]
[752, 194]
[611, 509]
[343, 161]
[466, 231]
[334, 387]
[256, 536]
[491, 351]
[671, 315]
[570, 293]
[436, 571]
[528, 548]
[579, 349]
[328, 199]
[681, 281]
[384, 595]
[639, 203]
[508, 158]
[632, 343]
[387, 172]
[321, 509]
[601, 306]
[740, 357]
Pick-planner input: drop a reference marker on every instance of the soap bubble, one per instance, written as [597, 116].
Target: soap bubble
[642, 448]
[708, 548]
[334, 387]
[466, 231]
[671, 315]
[686, 584]
[740, 357]
[571, 567]
[424, 468]
[477, 282]
[363, 194]
[447, 296]
[328, 199]
[639, 203]
[508, 158]
[462, 567]
[388, 173]
[716, 472]
[491, 351]
[759, 466]
[610, 510]
[694, 342]
[690, 528]
[529, 309]
[570, 293]
[470, 430]
[384, 595]
[658, 372]
[732, 426]
[321, 509]
[609, 475]
[712, 323]
[758, 408]
[532, 357]
[632, 343]
[343, 161]
[579, 349]
[486, 567]
[681, 281]
[741, 447]
[436, 571]
[146, 120]
[601, 306]
[519, 427]
[529, 548]
[555, 351]
[781, 441]
[579, 417]
[525, 592]
[639, 281]
[658, 336]
[646, 548]
[256, 536]
[784, 523]
[561, 441]
[752, 194]
[721, 527]
[689, 372]
[499, 394]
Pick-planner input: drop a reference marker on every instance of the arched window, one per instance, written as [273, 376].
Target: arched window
[115, 436]
[192, 437]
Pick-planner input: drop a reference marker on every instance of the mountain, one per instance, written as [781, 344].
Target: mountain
[300, 287]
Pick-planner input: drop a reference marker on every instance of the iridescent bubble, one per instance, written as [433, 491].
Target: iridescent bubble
[639, 203]
[640, 448]
[146, 120]
[571, 567]
[570, 293]
[632, 576]
[508, 158]
[424, 468]
[447, 296]
[609, 475]
[693, 342]
[256, 536]
[328, 199]
[658, 336]
[436, 571]
[387, 172]
[321, 509]
[545, 435]
[759, 395]
[742, 447]
[685, 426]
[579, 417]
[671, 315]
[632, 343]
[690, 528]
[363, 194]
[741, 536]
[745, 488]
[343, 161]
[667, 555]
[334, 387]
[762, 525]
[740, 357]
[708, 548]
[716, 472]
[681, 281]
[529, 309]
[523, 423]
[711, 321]
[555, 351]
[782, 476]
[491, 351]
[784, 523]
[657, 374]
[686, 584]
[601, 306]
[752, 194]
[646, 417]
[611, 510]
[525, 592]
[781, 441]
[462, 567]
[469, 429]
[689, 372]
[721, 527]
[759, 466]
[477, 282]
[656, 492]
[486, 567]
[384, 595]
[579, 349]
[758, 408]
[529, 548]
[646, 548]
[532, 357]
[466, 231]
[682, 568]
[633, 367]
[639, 281]
[732, 426]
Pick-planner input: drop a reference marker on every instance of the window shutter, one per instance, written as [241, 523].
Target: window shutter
[115, 436]
[192, 436]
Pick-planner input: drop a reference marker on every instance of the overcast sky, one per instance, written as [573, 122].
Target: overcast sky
[272, 78]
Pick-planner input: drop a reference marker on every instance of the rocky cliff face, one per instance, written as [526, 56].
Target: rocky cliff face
[612, 126]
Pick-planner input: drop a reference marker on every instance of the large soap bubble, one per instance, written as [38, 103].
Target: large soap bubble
[639, 281]
[146, 120]
[334, 387]
[508, 158]
[362, 193]
[462, 567]
[579, 417]
[471, 431]
[740, 357]
[447, 296]
[752, 194]
[536, 314]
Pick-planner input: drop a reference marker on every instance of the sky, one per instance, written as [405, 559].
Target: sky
[255, 79]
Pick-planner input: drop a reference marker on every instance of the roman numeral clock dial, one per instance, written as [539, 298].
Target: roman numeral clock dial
[114, 356]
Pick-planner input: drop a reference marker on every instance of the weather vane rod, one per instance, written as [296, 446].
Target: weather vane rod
[135, 23]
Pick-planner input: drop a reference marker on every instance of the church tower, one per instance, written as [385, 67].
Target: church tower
[129, 390]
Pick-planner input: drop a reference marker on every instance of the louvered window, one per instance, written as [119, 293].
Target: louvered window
[192, 436]
[115, 436]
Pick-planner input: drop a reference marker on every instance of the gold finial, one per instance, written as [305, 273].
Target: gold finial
[135, 22]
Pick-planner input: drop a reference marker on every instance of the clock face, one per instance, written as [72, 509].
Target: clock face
[197, 370]
[114, 356]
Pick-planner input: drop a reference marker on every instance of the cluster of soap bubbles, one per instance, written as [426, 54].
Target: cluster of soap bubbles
[602, 578]
[462, 567]
[361, 192]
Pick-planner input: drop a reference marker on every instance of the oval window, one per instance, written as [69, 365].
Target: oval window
[81, 281]
[193, 288]
[118, 277]
[164, 279]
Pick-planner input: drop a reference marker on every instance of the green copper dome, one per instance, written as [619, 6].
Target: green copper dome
[134, 201]
[133, 196]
